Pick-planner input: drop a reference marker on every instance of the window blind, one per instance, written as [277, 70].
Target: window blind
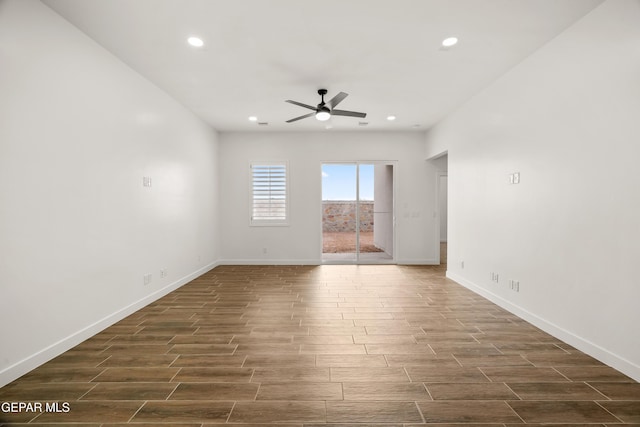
[269, 183]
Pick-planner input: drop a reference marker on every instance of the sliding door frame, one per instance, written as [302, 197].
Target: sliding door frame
[357, 260]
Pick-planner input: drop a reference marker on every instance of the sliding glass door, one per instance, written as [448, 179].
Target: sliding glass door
[357, 212]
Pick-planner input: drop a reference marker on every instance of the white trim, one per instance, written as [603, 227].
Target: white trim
[431, 261]
[605, 356]
[321, 262]
[29, 363]
[361, 262]
[270, 262]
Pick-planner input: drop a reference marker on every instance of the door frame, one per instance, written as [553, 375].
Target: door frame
[439, 176]
[357, 260]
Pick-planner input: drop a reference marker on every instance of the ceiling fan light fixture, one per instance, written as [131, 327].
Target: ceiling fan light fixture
[323, 115]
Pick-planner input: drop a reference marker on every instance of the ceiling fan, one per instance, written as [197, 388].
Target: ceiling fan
[324, 111]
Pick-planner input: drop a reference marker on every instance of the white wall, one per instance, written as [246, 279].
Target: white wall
[305, 152]
[566, 118]
[78, 131]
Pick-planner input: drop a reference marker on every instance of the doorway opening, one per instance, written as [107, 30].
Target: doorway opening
[358, 221]
[441, 164]
[443, 183]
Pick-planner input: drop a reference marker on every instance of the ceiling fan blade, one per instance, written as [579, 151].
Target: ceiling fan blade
[337, 99]
[301, 117]
[301, 104]
[348, 113]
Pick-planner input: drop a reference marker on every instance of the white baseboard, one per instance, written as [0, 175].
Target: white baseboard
[605, 356]
[430, 261]
[262, 261]
[20, 368]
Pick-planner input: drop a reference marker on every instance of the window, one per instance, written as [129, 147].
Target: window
[270, 195]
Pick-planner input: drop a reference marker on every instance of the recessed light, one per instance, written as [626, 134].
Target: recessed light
[195, 41]
[253, 119]
[450, 41]
[391, 118]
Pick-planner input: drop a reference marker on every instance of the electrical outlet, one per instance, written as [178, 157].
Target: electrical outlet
[516, 178]
[146, 181]
[514, 285]
[163, 272]
[264, 250]
[147, 278]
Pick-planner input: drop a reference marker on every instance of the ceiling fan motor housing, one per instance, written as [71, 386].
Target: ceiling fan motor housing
[322, 93]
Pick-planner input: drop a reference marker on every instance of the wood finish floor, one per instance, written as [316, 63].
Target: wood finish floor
[325, 346]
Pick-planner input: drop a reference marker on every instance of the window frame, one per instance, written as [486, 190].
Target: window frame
[267, 222]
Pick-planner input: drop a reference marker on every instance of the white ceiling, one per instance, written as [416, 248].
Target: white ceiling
[386, 54]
